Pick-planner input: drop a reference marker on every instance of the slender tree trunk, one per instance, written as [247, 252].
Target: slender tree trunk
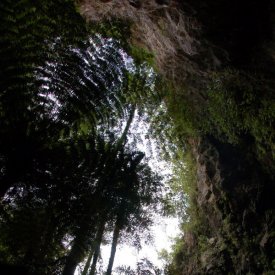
[78, 250]
[98, 241]
[88, 263]
[70, 267]
[113, 250]
[118, 226]
[123, 137]
[74, 257]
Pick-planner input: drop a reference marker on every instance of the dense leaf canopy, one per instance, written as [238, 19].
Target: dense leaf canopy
[67, 171]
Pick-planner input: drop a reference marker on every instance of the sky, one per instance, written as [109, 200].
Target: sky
[164, 229]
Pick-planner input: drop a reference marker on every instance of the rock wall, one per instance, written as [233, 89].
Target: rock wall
[235, 199]
[235, 188]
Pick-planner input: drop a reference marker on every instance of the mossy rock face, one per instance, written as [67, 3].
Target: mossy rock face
[235, 216]
[241, 111]
[235, 153]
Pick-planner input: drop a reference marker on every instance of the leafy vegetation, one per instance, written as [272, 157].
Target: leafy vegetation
[68, 174]
[71, 173]
[238, 104]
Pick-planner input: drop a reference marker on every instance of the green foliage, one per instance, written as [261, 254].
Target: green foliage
[182, 201]
[120, 30]
[141, 56]
[65, 93]
[30, 29]
[236, 105]
[29, 238]
[82, 86]
[240, 103]
[144, 267]
[116, 29]
[182, 112]
[182, 187]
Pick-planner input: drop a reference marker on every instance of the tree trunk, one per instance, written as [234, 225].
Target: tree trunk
[76, 255]
[117, 229]
[123, 137]
[113, 250]
[88, 263]
[98, 241]
[70, 267]
[78, 250]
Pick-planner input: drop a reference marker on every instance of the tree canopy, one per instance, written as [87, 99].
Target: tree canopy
[68, 173]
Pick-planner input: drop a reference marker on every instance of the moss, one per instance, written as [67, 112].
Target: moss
[141, 55]
[182, 112]
[241, 105]
[117, 29]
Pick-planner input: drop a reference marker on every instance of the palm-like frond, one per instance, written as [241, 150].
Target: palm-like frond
[84, 83]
